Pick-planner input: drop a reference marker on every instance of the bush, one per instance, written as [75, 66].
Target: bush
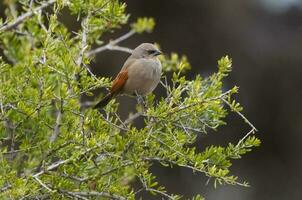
[54, 146]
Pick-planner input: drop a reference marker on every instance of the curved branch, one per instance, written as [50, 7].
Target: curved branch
[98, 194]
[23, 17]
[112, 45]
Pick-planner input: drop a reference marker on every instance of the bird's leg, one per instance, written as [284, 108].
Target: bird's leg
[140, 101]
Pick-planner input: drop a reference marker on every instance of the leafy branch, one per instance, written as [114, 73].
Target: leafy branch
[53, 145]
[22, 18]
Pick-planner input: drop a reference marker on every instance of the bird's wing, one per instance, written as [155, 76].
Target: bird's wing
[119, 82]
[121, 78]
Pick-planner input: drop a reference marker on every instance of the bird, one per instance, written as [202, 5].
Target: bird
[139, 75]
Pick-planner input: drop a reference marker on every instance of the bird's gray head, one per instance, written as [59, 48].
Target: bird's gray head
[146, 50]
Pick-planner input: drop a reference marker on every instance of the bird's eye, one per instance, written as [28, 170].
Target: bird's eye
[151, 52]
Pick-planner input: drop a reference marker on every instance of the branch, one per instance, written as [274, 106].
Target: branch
[132, 117]
[199, 102]
[52, 167]
[252, 131]
[7, 187]
[23, 17]
[83, 42]
[52, 151]
[71, 177]
[61, 162]
[246, 135]
[181, 108]
[79, 62]
[114, 125]
[56, 131]
[18, 150]
[72, 194]
[186, 128]
[117, 168]
[96, 194]
[154, 190]
[112, 45]
[42, 184]
[160, 192]
[225, 179]
[241, 115]
[84, 46]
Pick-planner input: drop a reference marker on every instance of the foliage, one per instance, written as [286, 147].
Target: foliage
[143, 25]
[51, 147]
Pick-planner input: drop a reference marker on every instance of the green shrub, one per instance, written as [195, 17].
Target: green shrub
[50, 147]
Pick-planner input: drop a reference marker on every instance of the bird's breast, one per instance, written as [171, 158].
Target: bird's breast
[143, 76]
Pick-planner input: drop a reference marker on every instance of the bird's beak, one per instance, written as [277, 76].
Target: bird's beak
[157, 53]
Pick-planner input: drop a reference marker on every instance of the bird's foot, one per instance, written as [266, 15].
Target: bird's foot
[142, 106]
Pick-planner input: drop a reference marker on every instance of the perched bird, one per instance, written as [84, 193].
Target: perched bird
[139, 76]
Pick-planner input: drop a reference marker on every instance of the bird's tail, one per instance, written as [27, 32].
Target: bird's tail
[104, 101]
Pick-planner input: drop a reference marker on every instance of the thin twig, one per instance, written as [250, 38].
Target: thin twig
[72, 194]
[160, 192]
[84, 46]
[119, 119]
[112, 45]
[225, 179]
[23, 17]
[82, 122]
[42, 184]
[51, 152]
[54, 69]
[18, 150]
[52, 167]
[170, 147]
[154, 190]
[123, 37]
[64, 175]
[87, 104]
[55, 165]
[7, 187]
[116, 168]
[199, 102]
[132, 117]
[246, 135]
[98, 194]
[61, 162]
[11, 134]
[119, 48]
[240, 114]
[186, 128]
[56, 131]
[113, 124]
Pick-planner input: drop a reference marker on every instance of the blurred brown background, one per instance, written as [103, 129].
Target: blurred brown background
[264, 39]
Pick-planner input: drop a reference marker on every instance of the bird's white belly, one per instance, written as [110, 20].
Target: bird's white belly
[143, 77]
